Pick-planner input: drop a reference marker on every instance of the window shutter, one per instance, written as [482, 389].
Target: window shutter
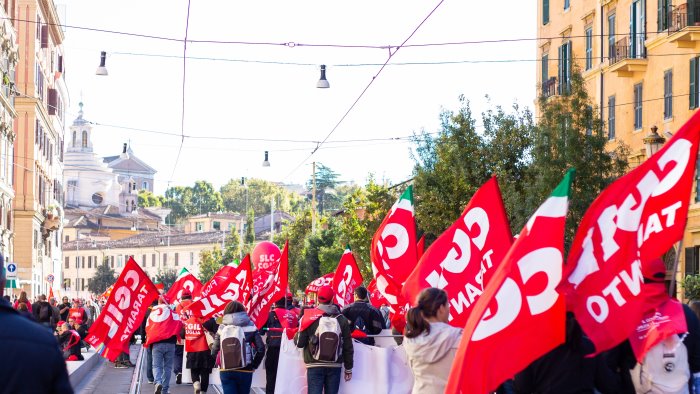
[45, 36]
[659, 17]
[53, 101]
[560, 69]
[693, 96]
[690, 268]
[60, 63]
[691, 12]
[545, 12]
[568, 67]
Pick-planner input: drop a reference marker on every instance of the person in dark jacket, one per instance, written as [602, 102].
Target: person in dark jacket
[363, 316]
[239, 380]
[566, 369]
[43, 312]
[69, 341]
[322, 375]
[274, 329]
[64, 309]
[149, 349]
[28, 344]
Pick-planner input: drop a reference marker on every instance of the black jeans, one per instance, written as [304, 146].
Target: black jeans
[177, 362]
[272, 356]
[323, 380]
[201, 375]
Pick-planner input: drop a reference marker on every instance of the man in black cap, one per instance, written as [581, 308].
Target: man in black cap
[29, 344]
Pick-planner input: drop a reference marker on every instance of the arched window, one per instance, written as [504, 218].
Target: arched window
[73, 139]
[85, 141]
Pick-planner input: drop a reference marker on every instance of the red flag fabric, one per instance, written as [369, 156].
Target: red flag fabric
[235, 287]
[162, 324]
[325, 280]
[195, 340]
[50, 292]
[309, 316]
[658, 324]
[123, 313]
[632, 222]
[221, 276]
[107, 292]
[462, 260]
[185, 281]
[420, 247]
[393, 252]
[272, 290]
[346, 279]
[289, 320]
[375, 297]
[520, 307]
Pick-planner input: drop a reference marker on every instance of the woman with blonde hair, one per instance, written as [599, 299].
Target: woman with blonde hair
[430, 342]
[23, 298]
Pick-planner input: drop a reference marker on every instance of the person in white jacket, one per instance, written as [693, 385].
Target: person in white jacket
[430, 342]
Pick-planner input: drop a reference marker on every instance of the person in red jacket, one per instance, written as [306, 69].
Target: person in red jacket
[185, 301]
[200, 362]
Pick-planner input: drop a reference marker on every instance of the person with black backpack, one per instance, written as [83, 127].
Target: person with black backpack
[43, 312]
[325, 336]
[238, 349]
[363, 316]
[283, 316]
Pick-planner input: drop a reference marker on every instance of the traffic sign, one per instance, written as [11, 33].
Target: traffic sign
[12, 271]
[50, 278]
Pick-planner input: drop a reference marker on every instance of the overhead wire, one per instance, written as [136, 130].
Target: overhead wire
[184, 77]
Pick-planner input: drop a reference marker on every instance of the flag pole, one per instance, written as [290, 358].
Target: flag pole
[672, 286]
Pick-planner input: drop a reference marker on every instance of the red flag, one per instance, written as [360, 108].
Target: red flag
[185, 281]
[520, 307]
[107, 292]
[123, 313]
[221, 276]
[162, 323]
[633, 221]
[347, 277]
[375, 297]
[658, 324]
[272, 290]
[462, 260]
[325, 280]
[420, 247]
[50, 292]
[235, 287]
[393, 252]
[309, 316]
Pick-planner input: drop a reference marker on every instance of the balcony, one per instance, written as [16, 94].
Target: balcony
[628, 59]
[684, 26]
[549, 87]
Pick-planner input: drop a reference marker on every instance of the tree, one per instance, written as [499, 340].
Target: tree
[239, 195]
[209, 263]
[103, 278]
[167, 277]
[232, 247]
[326, 182]
[249, 231]
[296, 232]
[205, 199]
[148, 199]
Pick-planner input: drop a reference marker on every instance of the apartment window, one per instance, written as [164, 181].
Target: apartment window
[664, 9]
[144, 186]
[565, 68]
[177, 258]
[567, 4]
[216, 225]
[77, 262]
[545, 67]
[67, 263]
[191, 258]
[668, 94]
[638, 106]
[545, 12]
[589, 48]
[165, 259]
[199, 226]
[611, 36]
[611, 117]
[82, 262]
[637, 30]
[143, 260]
[153, 260]
[693, 96]
[111, 261]
[89, 261]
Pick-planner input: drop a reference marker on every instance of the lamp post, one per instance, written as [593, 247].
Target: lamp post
[653, 141]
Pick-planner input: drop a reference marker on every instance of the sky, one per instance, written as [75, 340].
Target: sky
[243, 99]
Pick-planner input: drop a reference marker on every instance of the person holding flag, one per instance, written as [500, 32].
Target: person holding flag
[185, 301]
[363, 316]
[431, 343]
[162, 332]
[199, 359]
[284, 316]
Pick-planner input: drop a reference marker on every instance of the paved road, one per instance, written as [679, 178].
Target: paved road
[106, 379]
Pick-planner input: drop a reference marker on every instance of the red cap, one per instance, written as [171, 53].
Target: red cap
[186, 293]
[325, 294]
[60, 323]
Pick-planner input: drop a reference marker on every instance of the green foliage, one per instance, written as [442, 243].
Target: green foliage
[167, 277]
[103, 278]
[209, 263]
[257, 194]
[232, 247]
[529, 160]
[148, 199]
[691, 287]
[297, 232]
[187, 201]
[327, 198]
[249, 238]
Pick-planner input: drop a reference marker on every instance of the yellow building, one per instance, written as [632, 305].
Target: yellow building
[639, 60]
[38, 172]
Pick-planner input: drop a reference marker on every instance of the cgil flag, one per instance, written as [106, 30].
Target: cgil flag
[347, 277]
[520, 308]
[185, 281]
[633, 221]
[162, 324]
[462, 260]
[325, 280]
[123, 313]
[235, 286]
